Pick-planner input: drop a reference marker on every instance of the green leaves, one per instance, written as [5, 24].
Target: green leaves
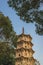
[28, 10]
[39, 29]
[6, 25]
[6, 29]
[6, 54]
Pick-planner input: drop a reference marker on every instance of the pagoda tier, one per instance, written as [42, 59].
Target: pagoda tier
[24, 52]
[25, 61]
[24, 44]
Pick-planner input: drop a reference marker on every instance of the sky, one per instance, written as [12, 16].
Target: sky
[28, 29]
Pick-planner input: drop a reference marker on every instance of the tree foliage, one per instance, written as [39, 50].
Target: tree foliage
[5, 25]
[8, 41]
[6, 54]
[6, 29]
[29, 11]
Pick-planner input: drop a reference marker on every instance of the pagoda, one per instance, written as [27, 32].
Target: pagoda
[24, 51]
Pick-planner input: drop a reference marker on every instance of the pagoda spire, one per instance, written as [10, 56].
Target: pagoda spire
[23, 30]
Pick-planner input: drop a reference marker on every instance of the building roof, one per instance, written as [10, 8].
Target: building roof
[22, 57]
[21, 41]
[22, 34]
[30, 50]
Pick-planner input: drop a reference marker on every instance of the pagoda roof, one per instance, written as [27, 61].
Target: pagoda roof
[23, 57]
[25, 42]
[30, 50]
[22, 34]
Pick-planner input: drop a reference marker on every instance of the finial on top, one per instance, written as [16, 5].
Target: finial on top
[23, 30]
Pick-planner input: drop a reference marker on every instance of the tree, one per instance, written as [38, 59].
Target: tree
[5, 26]
[29, 11]
[6, 54]
[8, 39]
[6, 30]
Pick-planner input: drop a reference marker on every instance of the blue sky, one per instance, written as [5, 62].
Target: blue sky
[29, 29]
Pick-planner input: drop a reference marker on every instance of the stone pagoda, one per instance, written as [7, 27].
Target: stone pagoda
[24, 52]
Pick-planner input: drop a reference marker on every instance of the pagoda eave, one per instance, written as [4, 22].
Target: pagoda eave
[30, 50]
[18, 42]
[22, 57]
[24, 35]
